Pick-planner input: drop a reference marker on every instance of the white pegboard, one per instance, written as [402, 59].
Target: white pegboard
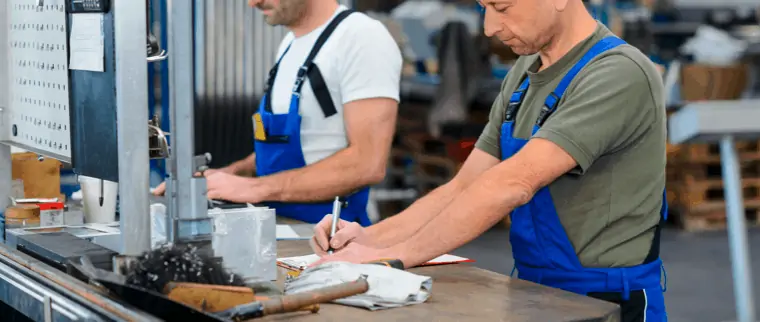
[38, 80]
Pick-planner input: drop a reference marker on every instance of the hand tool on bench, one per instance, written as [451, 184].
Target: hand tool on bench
[216, 298]
[294, 302]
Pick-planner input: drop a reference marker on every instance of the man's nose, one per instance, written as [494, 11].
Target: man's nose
[254, 3]
[491, 24]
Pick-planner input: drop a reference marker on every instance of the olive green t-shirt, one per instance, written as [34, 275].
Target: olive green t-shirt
[611, 120]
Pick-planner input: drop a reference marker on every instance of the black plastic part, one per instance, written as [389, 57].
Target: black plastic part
[93, 114]
[88, 6]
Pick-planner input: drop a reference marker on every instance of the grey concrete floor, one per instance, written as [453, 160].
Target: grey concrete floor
[700, 284]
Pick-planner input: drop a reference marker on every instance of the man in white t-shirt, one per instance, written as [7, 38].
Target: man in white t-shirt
[325, 124]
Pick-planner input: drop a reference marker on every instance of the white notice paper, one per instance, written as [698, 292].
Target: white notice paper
[86, 43]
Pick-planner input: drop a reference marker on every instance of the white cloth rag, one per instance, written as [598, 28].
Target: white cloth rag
[388, 287]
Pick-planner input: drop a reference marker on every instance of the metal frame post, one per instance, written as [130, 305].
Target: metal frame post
[188, 206]
[737, 231]
[5, 150]
[130, 18]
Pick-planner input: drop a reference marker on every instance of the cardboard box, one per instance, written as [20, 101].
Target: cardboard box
[41, 178]
[705, 82]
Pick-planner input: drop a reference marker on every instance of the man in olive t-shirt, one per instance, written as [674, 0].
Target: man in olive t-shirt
[611, 120]
[574, 152]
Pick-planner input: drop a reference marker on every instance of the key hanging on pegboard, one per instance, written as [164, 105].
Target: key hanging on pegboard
[39, 83]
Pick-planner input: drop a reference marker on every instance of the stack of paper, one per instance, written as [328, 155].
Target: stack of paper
[298, 263]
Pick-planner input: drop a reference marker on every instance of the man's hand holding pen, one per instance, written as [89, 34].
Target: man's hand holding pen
[346, 233]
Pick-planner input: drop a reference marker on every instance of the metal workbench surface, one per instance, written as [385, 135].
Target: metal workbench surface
[462, 292]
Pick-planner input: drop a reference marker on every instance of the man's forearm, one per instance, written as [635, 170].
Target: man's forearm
[245, 167]
[337, 175]
[474, 211]
[402, 226]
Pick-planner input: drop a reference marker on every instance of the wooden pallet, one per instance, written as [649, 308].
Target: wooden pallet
[696, 191]
[705, 193]
[702, 152]
[689, 173]
[715, 219]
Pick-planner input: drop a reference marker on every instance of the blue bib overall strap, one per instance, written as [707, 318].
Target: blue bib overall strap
[542, 251]
[277, 142]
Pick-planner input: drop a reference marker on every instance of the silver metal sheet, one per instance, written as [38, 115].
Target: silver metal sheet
[37, 114]
[711, 121]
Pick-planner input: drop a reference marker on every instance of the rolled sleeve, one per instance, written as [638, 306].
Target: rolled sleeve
[488, 141]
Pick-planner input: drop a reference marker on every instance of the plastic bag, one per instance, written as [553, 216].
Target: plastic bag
[712, 46]
[157, 225]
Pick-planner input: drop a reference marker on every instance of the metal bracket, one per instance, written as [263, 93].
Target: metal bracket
[201, 162]
[48, 306]
[158, 144]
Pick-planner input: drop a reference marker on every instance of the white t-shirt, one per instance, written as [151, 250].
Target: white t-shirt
[360, 60]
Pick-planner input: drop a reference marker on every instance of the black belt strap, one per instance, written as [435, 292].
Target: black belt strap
[654, 250]
[311, 71]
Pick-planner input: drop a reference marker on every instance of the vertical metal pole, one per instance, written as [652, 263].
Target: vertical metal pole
[189, 204]
[132, 133]
[5, 151]
[737, 231]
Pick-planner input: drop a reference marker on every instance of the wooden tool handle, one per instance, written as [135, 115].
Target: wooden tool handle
[295, 302]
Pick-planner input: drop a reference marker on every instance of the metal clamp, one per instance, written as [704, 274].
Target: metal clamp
[160, 57]
[159, 145]
[201, 162]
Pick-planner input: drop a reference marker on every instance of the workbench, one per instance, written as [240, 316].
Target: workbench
[462, 292]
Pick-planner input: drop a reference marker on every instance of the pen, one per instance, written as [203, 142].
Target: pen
[335, 218]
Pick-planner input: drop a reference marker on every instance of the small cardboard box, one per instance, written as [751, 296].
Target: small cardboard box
[705, 82]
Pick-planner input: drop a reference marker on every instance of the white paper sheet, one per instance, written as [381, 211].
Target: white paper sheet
[86, 43]
[302, 262]
[285, 232]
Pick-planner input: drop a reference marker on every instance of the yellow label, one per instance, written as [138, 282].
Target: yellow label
[258, 128]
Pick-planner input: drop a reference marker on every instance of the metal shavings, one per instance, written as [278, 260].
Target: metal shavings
[171, 263]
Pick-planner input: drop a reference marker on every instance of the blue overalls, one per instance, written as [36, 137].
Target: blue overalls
[542, 251]
[277, 138]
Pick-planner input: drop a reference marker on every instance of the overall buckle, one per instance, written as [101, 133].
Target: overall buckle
[300, 79]
[511, 111]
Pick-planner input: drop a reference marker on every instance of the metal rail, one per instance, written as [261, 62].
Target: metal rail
[43, 293]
